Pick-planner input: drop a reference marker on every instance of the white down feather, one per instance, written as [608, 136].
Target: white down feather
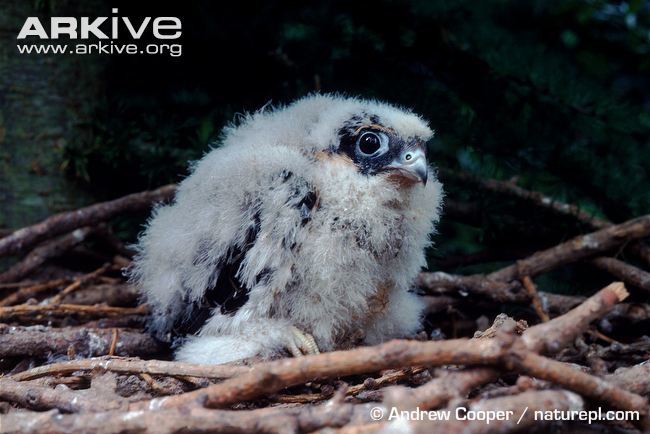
[366, 233]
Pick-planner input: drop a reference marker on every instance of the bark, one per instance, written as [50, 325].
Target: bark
[39, 341]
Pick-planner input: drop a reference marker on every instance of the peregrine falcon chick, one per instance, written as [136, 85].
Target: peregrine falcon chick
[304, 230]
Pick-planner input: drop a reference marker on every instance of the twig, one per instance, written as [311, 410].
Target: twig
[29, 291]
[114, 338]
[48, 250]
[447, 386]
[134, 366]
[77, 283]
[153, 384]
[602, 336]
[440, 282]
[43, 397]
[628, 273]
[68, 309]
[552, 336]
[39, 341]
[303, 398]
[544, 400]
[576, 249]
[121, 294]
[531, 289]
[390, 377]
[14, 285]
[91, 215]
[542, 201]
[536, 198]
[574, 379]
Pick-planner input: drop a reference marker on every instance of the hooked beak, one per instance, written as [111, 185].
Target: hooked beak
[411, 166]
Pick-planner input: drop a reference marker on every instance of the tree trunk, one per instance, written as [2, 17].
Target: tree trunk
[43, 98]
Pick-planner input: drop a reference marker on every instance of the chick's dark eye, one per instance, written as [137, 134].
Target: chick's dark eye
[370, 143]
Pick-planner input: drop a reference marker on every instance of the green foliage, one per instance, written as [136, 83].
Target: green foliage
[124, 153]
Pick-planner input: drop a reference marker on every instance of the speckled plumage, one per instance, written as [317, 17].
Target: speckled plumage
[278, 228]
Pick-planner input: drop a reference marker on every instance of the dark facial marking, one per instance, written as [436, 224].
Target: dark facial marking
[358, 138]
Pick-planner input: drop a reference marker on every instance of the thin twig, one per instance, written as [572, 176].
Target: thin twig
[133, 366]
[114, 338]
[576, 249]
[91, 215]
[640, 249]
[30, 291]
[77, 284]
[68, 309]
[42, 253]
[628, 273]
[531, 289]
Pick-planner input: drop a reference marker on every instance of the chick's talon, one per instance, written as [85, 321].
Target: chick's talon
[301, 344]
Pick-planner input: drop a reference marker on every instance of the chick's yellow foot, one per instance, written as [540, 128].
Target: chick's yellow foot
[300, 343]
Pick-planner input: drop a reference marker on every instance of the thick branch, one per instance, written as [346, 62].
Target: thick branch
[43, 397]
[38, 341]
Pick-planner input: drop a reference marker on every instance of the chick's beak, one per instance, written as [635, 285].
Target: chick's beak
[411, 165]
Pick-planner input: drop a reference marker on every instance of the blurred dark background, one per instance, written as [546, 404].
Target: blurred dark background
[554, 94]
